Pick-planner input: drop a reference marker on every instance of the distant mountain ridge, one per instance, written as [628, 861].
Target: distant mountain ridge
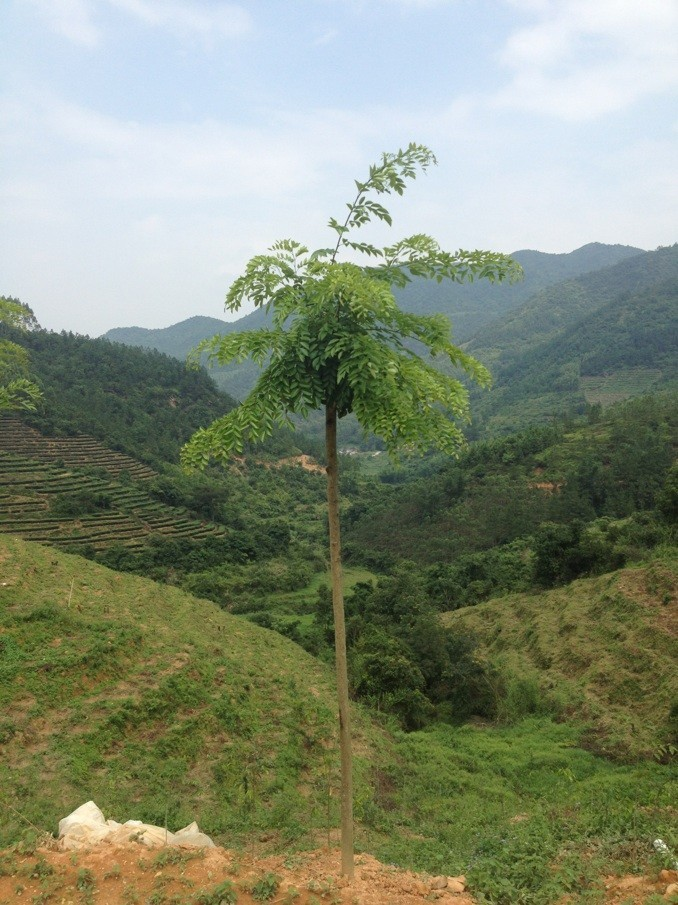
[560, 305]
[170, 340]
[475, 305]
[620, 323]
[470, 306]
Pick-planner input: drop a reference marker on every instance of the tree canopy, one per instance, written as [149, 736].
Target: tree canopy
[17, 391]
[339, 338]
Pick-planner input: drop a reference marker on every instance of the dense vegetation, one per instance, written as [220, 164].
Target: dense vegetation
[520, 513]
[17, 390]
[139, 402]
[220, 535]
[600, 472]
[517, 514]
[560, 306]
[617, 323]
[180, 339]
[586, 650]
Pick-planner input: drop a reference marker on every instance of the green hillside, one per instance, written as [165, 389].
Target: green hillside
[179, 339]
[594, 326]
[27, 445]
[472, 307]
[144, 698]
[75, 493]
[77, 474]
[176, 340]
[160, 705]
[552, 309]
[625, 347]
[478, 520]
[227, 534]
[587, 651]
[511, 620]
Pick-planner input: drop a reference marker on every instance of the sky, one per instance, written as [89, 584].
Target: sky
[149, 148]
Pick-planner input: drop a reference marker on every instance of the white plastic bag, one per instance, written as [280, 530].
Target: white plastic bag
[84, 826]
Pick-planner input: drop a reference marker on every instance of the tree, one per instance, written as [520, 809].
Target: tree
[339, 341]
[16, 390]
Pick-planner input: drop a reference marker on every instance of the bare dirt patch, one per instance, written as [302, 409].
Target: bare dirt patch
[547, 486]
[637, 890]
[306, 462]
[125, 875]
[114, 875]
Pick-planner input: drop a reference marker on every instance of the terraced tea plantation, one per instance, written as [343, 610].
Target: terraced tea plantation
[73, 491]
[19, 439]
[616, 387]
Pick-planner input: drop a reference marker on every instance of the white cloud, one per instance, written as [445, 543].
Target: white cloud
[73, 152]
[405, 4]
[420, 3]
[327, 36]
[70, 18]
[580, 59]
[191, 162]
[175, 209]
[209, 21]
[149, 227]
[206, 20]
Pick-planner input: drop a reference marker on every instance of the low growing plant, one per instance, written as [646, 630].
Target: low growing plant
[223, 894]
[86, 884]
[266, 887]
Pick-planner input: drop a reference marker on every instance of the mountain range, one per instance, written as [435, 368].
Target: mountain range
[595, 325]
[470, 305]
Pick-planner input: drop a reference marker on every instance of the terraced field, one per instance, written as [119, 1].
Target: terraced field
[74, 452]
[36, 472]
[616, 387]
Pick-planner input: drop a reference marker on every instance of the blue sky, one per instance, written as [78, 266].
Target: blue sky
[150, 147]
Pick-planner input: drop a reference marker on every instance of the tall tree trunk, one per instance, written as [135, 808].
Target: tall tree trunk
[340, 643]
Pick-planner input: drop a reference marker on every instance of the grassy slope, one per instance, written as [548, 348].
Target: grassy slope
[602, 650]
[160, 706]
[142, 697]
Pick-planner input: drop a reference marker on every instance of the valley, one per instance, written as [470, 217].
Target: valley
[166, 637]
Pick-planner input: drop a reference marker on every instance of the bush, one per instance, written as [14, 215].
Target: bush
[402, 660]
[72, 505]
[520, 697]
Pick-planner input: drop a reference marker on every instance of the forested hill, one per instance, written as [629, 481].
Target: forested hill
[487, 515]
[472, 306]
[556, 308]
[136, 401]
[176, 340]
[469, 306]
[602, 337]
